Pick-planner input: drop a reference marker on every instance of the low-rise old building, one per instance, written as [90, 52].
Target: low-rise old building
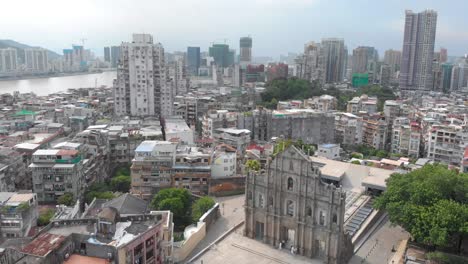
[375, 131]
[329, 151]
[18, 214]
[446, 143]
[107, 237]
[95, 154]
[238, 138]
[323, 103]
[363, 103]
[223, 162]
[56, 172]
[152, 167]
[176, 128]
[348, 129]
[406, 137]
[192, 170]
[215, 119]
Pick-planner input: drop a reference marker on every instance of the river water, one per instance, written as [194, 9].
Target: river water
[45, 86]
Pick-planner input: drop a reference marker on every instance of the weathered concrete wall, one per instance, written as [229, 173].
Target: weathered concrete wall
[193, 234]
[211, 216]
[184, 248]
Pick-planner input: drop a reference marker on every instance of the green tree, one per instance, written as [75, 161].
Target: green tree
[173, 204]
[125, 171]
[281, 145]
[252, 165]
[431, 203]
[66, 199]
[272, 104]
[294, 88]
[121, 183]
[99, 190]
[201, 206]
[174, 199]
[182, 194]
[45, 216]
[381, 154]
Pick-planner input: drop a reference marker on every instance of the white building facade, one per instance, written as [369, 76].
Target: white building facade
[141, 88]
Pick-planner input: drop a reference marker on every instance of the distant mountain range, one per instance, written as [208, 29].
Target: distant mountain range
[8, 43]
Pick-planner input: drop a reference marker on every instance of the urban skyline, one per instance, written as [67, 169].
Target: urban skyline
[164, 135]
[268, 27]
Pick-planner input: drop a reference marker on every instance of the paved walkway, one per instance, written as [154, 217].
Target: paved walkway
[237, 249]
[398, 257]
[232, 213]
[378, 247]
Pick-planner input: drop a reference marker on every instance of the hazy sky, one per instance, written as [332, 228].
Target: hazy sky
[276, 26]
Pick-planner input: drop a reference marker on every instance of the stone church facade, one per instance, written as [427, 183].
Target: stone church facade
[289, 203]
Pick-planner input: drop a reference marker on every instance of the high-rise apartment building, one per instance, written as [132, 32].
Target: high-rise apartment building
[223, 57]
[79, 61]
[115, 56]
[459, 79]
[365, 61]
[178, 74]
[308, 65]
[385, 75]
[446, 77]
[443, 55]
[360, 60]
[107, 54]
[75, 59]
[245, 50]
[193, 60]
[36, 60]
[392, 58]
[67, 60]
[8, 60]
[418, 50]
[334, 60]
[141, 88]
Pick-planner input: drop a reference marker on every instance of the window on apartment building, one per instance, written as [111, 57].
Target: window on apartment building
[309, 211]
